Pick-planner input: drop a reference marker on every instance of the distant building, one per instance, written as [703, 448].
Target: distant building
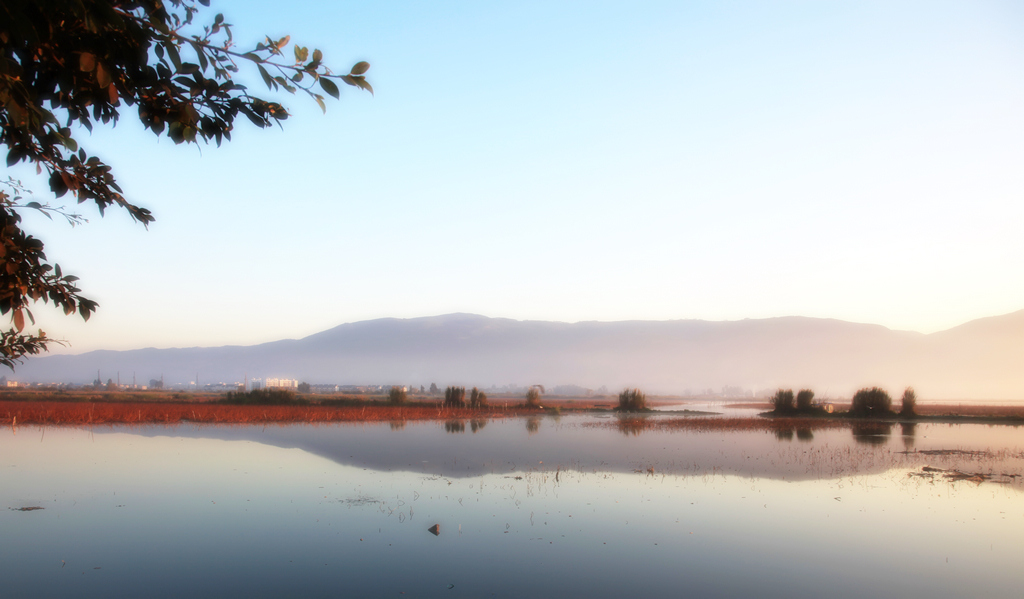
[254, 384]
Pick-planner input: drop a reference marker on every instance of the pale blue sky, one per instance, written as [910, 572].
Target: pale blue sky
[583, 161]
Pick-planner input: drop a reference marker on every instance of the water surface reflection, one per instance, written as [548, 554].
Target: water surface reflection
[872, 433]
[560, 510]
[569, 442]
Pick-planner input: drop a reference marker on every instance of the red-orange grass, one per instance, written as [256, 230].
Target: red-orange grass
[79, 413]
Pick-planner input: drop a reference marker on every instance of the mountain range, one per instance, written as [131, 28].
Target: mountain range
[982, 359]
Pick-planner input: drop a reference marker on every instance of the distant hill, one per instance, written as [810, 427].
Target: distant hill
[982, 359]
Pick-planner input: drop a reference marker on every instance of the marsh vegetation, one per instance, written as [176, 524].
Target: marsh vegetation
[908, 404]
[477, 398]
[632, 400]
[397, 396]
[871, 403]
[454, 397]
[264, 397]
[274, 405]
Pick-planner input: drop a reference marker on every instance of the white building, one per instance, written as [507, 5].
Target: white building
[254, 384]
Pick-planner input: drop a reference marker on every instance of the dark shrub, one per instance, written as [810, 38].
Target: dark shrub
[908, 406]
[804, 399]
[632, 400]
[477, 398]
[263, 397]
[533, 398]
[455, 397]
[871, 402]
[782, 401]
[397, 396]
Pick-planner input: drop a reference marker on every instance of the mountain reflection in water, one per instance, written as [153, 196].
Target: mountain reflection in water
[573, 442]
[509, 508]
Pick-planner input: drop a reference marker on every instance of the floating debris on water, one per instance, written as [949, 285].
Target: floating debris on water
[957, 475]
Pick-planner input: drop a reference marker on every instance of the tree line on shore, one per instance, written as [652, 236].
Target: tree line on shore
[868, 402]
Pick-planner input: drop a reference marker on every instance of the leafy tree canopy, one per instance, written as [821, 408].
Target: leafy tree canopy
[67, 64]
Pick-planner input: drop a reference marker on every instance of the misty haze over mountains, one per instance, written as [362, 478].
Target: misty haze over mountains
[982, 359]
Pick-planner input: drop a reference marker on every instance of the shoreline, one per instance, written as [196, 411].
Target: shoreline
[90, 410]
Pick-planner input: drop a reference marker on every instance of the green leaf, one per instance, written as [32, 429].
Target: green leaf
[320, 100]
[301, 54]
[317, 55]
[359, 68]
[329, 87]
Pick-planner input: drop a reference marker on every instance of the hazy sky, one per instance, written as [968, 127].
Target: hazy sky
[582, 161]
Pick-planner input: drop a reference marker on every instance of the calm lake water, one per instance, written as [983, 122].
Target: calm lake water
[568, 507]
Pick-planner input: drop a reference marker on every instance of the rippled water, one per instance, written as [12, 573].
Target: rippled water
[569, 507]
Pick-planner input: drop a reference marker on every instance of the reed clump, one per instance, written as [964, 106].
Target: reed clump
[397, 396]
[908, 405]
[804, 400]
[632, 400]
[477, 398]
[782, 401]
